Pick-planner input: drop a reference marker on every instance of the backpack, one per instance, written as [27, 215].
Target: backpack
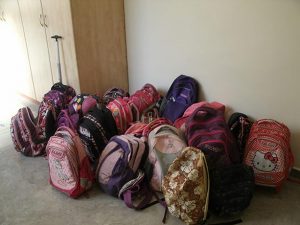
[113, 93]
[27, 137]
[268, 151]
[143, 129]
[143, 101]
[231, 189]
[49, 109]
[119, 162]
[165, 144]
[69, 92]
[186, 186]
[122, 114]
[66, 120]
[82, 103]
[182, 93]
[207, 130]
[95, 129]
[69, 167]
[180, 123]
[240, 125]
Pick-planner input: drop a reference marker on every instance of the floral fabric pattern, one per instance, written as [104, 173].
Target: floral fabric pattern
[186, 186]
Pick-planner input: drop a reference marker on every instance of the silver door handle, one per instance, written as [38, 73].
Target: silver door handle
[41, 17]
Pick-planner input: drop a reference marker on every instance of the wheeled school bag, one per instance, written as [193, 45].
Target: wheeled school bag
[69, 167]
[186, 187]
[165, 144]
[182, 93]
[231, 189]
[268, 151]
[119, 162]
[207, 130]
[49, 109]
[27, 136]
[240, 125]
[95, 129]
[68, 91]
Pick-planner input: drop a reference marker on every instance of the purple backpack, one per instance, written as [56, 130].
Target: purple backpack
[120, 162]
[207, 130]
[182, 93]
[49, 109]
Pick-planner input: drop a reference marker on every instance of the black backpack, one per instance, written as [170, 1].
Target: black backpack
[95, 129]
[240, 126]
[231, 189]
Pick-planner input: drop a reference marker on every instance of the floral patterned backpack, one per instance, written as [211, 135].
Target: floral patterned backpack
[186, 186]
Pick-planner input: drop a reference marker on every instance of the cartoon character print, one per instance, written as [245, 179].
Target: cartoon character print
[265, 162]
[60, 172]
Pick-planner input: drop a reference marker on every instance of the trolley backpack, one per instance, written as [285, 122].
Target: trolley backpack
[28, 138]
[120, 161]
[207, 130]
[143, 102]
[268, 152]
[182, 93]
[165, 144]
[49, 109]
[231, 189]
[114, 93]
[240, 126]
[186, 186]
[180, 123]
[95, 129]
[122, 113]
[68, 91]
[69, 167]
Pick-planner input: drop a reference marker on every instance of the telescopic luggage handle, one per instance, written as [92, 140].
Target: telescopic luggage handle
[56, 37]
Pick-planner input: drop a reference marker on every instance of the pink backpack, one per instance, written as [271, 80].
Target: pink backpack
[69, 167]
[165, 144]
[268, 152]
[121, 112]
[27, 137]
[143, 102]
[180, 123]
[143, 129]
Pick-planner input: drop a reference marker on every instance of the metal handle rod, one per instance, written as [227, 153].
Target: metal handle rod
[56, 37]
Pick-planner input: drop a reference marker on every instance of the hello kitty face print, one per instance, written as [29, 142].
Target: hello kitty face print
[265, 162]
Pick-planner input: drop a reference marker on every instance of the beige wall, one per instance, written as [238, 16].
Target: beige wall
[245, 54]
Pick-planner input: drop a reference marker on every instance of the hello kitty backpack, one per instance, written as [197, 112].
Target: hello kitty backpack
[268, 152]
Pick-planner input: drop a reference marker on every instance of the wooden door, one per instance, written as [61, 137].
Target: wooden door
[33, 23]
[59, 22]
[99, 33]
[15, 68]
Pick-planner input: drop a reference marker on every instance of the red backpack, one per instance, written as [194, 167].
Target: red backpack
[27, 136]
[69, 166]
[143, 102]
[121, 112]
[268, 152]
